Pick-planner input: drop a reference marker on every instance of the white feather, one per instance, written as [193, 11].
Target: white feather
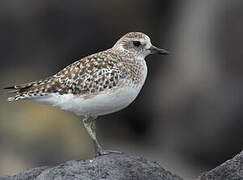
[100, 104]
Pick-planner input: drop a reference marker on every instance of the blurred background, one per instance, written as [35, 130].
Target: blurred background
[188, 116]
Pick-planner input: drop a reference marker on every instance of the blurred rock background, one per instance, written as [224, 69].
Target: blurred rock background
[189, 113]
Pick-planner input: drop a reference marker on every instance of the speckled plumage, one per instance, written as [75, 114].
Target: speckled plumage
[98, 84]
[93, 74]
[88, 76]
[105, 77]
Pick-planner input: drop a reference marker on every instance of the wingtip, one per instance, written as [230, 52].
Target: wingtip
[10, 87]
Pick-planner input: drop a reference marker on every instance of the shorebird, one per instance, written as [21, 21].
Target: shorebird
[99, 84]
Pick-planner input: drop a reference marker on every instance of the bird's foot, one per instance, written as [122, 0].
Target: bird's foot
[102, 152]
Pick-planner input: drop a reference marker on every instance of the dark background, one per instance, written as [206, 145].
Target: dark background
[189, 114]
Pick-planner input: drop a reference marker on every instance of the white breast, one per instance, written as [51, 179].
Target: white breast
[96, 105]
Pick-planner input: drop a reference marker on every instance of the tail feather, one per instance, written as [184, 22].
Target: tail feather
[19, 89]
[10, 87]
[11, 98]
[23, 89]
[15, 98]
[10, 90]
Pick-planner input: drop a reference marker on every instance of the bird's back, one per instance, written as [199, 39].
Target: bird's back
[89, 76]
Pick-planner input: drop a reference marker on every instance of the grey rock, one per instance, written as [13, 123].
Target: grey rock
[229, 170]
[107, 167]
[26, 175]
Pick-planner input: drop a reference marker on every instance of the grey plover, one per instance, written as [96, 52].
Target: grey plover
[99, 84]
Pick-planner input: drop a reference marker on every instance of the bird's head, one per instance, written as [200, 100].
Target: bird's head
[137, 44]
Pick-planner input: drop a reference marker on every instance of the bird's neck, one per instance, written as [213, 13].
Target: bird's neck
[126, 54]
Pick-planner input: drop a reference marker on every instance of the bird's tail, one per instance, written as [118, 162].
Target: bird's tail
[18, 90]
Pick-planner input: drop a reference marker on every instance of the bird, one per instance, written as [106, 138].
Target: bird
[96, 85]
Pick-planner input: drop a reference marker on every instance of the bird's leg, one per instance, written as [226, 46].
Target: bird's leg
[89, 124]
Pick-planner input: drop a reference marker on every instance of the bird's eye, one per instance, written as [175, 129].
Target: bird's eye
[136, 43]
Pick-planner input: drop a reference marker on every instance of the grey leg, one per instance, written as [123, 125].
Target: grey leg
[89, 124]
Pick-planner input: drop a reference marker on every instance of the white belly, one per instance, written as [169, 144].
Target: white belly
[100, 104]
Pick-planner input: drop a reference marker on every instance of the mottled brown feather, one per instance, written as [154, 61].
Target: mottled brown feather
[93, 74]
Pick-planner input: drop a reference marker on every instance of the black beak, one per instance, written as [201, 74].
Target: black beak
[155, 50]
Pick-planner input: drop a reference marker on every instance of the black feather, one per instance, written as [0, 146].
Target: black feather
[19, 88]
[10, 87]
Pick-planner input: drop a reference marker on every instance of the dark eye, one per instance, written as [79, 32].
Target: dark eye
[136, 43]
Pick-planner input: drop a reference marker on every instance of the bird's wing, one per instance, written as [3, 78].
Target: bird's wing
[90, 76]
[87, 76]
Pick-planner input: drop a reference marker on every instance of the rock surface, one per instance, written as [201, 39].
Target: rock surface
[124, 167]
[229, 170]
[108, 167]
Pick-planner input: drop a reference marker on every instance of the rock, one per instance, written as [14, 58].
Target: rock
[231, 169]
[107, 167]
[26, 175]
